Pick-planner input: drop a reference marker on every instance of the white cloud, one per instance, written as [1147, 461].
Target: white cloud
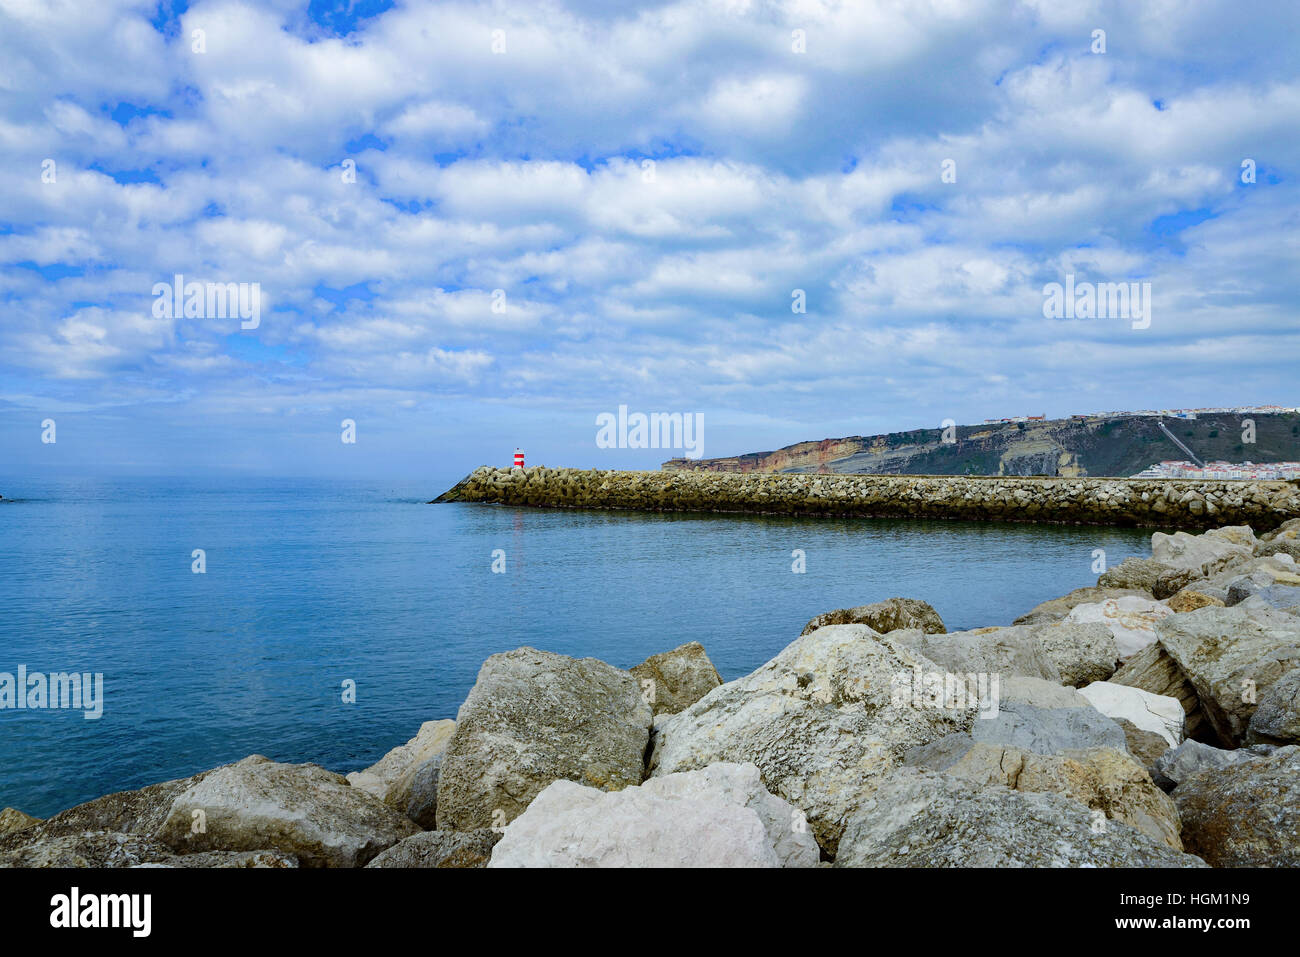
[768, 171]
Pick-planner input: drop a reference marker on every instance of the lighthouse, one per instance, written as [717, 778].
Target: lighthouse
[519, 458]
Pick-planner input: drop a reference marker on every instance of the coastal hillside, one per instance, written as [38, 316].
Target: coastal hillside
[1075, 447]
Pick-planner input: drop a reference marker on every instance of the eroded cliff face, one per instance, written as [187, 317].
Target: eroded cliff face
[1067, 448]
[1040, 455]
[803, 456]
[995, 451]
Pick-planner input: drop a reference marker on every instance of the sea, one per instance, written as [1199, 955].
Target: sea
[324, 621]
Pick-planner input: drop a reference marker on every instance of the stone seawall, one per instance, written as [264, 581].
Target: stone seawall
[1178, 503]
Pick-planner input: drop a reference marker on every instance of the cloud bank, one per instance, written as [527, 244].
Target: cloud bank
[475, 226]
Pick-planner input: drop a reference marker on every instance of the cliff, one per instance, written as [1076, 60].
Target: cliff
[1119, 445]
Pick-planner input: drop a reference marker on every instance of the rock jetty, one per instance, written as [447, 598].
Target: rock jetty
[1107, 728]
[1171, 503]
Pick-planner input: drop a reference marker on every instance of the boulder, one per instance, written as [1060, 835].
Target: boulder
[1231, 655]
[1131, 621]
[97, 848]
[1039, 693]
[892, 614]
[1281, 541]
[1260, 575]
[12, 819]
[1287, 531]
[126, 812]
[1272, 585]
[1050, 730]
[448, 849]
[1001, 651]
[1033, 716]
[1189, 600]
[675, 680]
[105, 832]
[1101, 778]
[1055, 609]
[1205, 554]
[80, 849]
[1082, 652]
[299, 809]
[1242, 535]
[228, 859]
[918, 818]
[1145, 746]
[534, 717]
[718, 816]
[1262, 571]
[1288, 546]
[1277, 716]
[1172, 582]
[1246, 814]
[1047, 725]
[822, 720]
[1190, 758]
[1063, 652]
[406, 778]
[1132, 575]
[1145, 575]
[1282, 599]
[1154, 669]
[1159, 714]
[786, 826]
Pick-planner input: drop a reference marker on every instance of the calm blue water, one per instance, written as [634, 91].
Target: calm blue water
[309, 583]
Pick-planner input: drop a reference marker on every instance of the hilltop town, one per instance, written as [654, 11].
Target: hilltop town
[1160, 413]
[1222, 470]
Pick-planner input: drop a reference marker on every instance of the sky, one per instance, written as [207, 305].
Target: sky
[480, 226]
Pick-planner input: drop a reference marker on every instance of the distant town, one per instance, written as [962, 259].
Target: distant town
[1222, 470]
[1162, 413]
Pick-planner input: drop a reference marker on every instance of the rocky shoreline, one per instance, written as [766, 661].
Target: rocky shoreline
[1167, 503]
[1151, 720]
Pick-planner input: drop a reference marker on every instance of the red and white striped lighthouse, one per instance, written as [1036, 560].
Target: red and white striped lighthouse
[519, 458]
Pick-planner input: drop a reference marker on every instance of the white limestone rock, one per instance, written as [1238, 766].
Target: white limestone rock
[1131, 620]
[718, 816]
[1160, 714]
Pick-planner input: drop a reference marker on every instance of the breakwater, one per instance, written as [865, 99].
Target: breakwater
[1179, 503]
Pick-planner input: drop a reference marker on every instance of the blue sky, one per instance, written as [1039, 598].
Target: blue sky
[647, 185]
